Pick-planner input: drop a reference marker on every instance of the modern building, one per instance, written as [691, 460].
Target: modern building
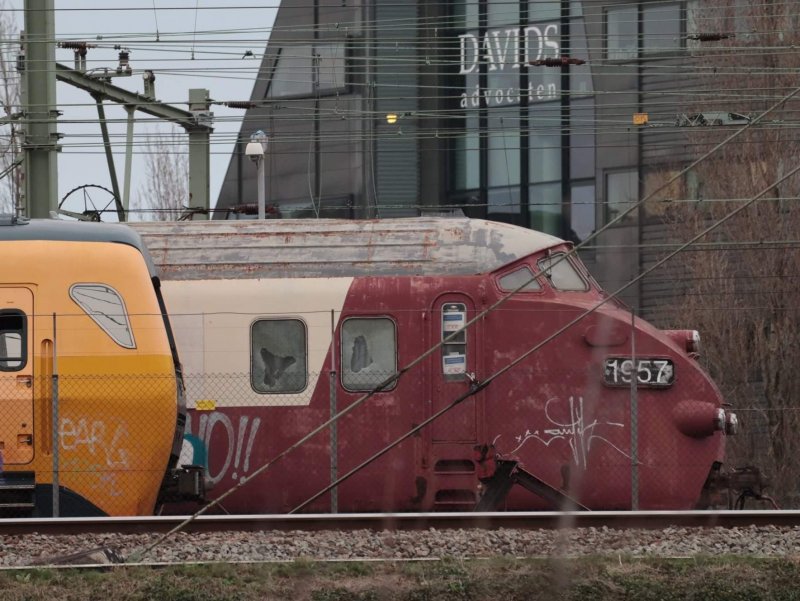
[516, 111]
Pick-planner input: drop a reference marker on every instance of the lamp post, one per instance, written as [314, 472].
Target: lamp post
[256, 148]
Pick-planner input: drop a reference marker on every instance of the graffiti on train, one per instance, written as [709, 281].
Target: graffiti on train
[233, 437]
[109, 442]
[567, 424]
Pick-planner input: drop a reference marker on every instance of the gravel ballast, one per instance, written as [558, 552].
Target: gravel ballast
[35, 549]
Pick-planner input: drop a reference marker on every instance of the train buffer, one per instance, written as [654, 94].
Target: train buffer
[509, 472]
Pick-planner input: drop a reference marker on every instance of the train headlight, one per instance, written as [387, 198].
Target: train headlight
[719, 419]
[693, 342]
[731, 423]
[688, 340]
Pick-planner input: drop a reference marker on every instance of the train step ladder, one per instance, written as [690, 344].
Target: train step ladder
[509, 472]
[17, 491]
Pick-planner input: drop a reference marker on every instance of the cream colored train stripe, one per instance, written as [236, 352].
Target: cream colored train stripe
[212, 319]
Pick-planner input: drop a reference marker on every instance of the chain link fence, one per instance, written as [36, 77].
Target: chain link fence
[111, 448]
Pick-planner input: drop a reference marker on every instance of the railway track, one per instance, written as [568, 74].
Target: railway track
[394, 537]
[619, 520]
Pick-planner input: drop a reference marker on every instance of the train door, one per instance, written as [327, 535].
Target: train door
[16, 375]
[455, 433]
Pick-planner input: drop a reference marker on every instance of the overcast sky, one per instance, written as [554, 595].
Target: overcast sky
[161, 35]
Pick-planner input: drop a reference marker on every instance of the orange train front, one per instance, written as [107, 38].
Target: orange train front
[281, 325]
[90, 396]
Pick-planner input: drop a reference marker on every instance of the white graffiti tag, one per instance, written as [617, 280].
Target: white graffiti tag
[579, 435]
[98, 438]
[239, 441]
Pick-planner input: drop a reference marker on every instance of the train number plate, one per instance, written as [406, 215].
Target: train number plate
[650, 373]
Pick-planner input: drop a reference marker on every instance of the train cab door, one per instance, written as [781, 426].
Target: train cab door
[16, 375]
[455, 433]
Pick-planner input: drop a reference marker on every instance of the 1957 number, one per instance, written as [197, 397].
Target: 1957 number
[655, 373]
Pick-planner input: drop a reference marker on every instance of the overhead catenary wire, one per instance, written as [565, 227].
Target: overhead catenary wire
[480, 315]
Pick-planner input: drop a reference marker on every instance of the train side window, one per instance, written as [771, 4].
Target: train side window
[369, 352]
[107, 309]
[562, 273]
[454, 351]
[511, 281]
[13, 339]
[278, 356]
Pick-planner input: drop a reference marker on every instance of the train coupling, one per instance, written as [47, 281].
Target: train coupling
[186, 483]
[734, 487]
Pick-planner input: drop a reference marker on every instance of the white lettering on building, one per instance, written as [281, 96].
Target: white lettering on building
[502, 51]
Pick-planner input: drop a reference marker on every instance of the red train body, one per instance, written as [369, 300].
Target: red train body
[282, 324]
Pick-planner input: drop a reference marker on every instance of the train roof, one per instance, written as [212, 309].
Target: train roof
[13, 228]
[288, 248]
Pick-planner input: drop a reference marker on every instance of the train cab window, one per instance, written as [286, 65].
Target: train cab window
[278, 356]
[369, 352]
[107, 309]
[13, 337]
[562, 274]
[511, 281]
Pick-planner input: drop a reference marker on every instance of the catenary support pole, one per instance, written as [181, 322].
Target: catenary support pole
[634, 420]
[40, 141]
[334, 422]
[112, 172]
[55, 483]
[199, 156]
[126, 186]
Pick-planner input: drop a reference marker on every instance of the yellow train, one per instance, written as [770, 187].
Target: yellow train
[91, 396]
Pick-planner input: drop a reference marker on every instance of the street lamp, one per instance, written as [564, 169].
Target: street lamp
[255, 149]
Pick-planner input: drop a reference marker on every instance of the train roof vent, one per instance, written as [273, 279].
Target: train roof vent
[7, 219]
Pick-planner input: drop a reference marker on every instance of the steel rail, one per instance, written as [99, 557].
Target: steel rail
[405, 521]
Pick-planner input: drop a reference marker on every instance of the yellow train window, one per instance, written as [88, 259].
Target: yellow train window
[13, 352]
[107, 309]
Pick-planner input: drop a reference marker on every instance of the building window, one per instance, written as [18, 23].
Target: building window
[369, 352]
[582, 215]
[278, 356]
[330, 68]
[622, 192]
[545, 207]
[581, 138]
[504, 205]
[503, 141]
[544, 168]
[306, 70]
[107, 309]
[502, 12]
[622, 32]
[544, 10]
[466, 160]
[661, 28]
[13, 338]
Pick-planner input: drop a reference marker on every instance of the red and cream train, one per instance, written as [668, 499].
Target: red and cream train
[282, 324]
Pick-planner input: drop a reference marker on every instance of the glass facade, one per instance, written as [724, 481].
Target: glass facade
[536, 120]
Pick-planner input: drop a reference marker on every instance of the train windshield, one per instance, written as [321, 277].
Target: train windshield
[561, 273]
[519, 277]
[105, 306]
